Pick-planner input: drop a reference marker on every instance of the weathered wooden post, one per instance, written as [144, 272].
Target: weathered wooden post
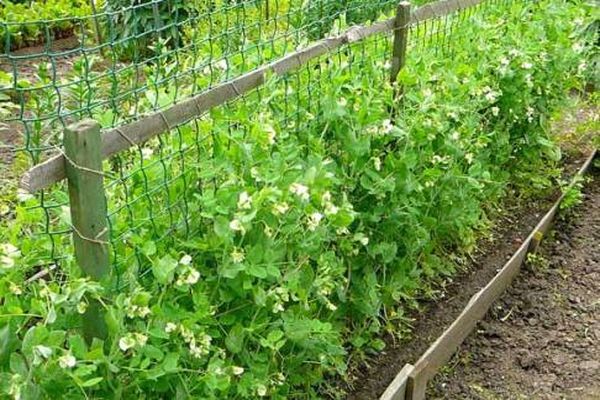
[83, 166]
[401, 26]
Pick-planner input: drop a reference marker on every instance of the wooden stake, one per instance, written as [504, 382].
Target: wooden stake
[401, 24]
[83, 167]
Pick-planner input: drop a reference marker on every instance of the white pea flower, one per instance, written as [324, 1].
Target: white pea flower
[140, 339]
[237, 370]
[387, 126]
[9, 250]
[15, 289]
[331, 209]
[578, 47]
[221, 64]
[504, 61]
[331, 306]
[530, 113]
[469, 157]
[147, 152]
[261, 390]
[187, 334]
[527, 65]
[342, 102]
[244, 201]
[300, 190]
[280, 208]
[271, 134]
[192, 277]
[127, 342]
[67, 361]
[143, 312]
[278, 307]
[43, 351]
[170, 327]
[495, 111]
[314, 220]
[185, 260]
[455, 135]
[237, 255]
[268, 231]
[528, 81]
[236, 225]
[255, 174]
[342, 231]
[377, 163]
[82, 307]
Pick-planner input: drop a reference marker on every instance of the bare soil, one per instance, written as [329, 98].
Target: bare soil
[542, 339]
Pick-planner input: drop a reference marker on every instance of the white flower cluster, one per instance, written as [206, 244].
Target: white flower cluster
[188, 275]
[199, 345]
[131, 340]
[385, 128]
[327, 203]
[280, 296]
[314, 219]
[244, 203]
[300, 190]
[490, 94]
[132, 310]
[67, 361]
[237, 255]
[8, 255]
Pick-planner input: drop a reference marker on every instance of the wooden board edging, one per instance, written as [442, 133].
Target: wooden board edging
[397, 389]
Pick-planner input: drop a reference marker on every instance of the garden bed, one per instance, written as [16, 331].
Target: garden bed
[543, 337]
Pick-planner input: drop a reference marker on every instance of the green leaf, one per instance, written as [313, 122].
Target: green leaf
[18, 365]
[92, 382]
[149, 248]
[170, 362]
[257, 271]
[164, 268]
[235, 339]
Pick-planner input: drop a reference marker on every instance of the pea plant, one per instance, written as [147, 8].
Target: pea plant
[312, 233]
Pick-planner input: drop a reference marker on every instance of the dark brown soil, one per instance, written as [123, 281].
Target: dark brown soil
[542, 339]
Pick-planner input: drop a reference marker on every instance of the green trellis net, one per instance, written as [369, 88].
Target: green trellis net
[122, 60]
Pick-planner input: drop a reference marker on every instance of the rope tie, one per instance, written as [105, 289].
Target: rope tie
[82, 168]
[124, 136]
[95, 240]
[166, 122]
[235, 88]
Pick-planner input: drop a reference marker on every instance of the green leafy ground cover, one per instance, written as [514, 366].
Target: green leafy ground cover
[257, 248]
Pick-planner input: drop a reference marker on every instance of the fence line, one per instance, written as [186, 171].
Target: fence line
[122, 138]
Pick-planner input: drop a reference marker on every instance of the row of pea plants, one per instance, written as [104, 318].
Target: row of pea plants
[308, 243]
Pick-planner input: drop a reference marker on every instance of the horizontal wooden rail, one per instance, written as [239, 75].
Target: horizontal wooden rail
[122, 138]
[411, 382]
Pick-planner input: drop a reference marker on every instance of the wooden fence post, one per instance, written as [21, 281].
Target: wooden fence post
[83, 166]
[401, 25]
